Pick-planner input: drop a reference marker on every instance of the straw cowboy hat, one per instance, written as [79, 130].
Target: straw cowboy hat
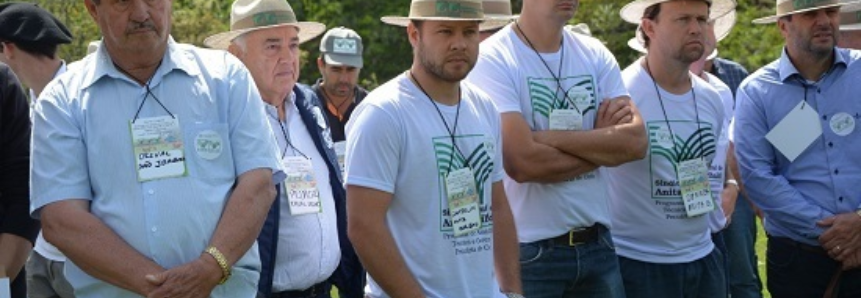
[722, 26]
[439, 10]
[497, 14]
[850, 16]
[250, 15]
[790, 7]
[633, 12]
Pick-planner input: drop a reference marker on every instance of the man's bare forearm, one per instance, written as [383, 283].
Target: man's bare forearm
[506, 249]
[95, 248]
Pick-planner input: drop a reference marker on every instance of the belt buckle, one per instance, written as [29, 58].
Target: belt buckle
[571, 233]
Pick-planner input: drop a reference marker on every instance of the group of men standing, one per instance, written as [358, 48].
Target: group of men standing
[528, 162]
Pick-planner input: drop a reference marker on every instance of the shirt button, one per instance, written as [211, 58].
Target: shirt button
[154, 229]
[840, 198]
[836, 172]
[830, 144]
[151, 191]
[824, 117]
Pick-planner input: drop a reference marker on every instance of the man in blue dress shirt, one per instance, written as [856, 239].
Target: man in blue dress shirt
[797, 147]
[152, 163]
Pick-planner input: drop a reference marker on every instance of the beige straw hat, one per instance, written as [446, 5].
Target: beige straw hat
[633, 12]
[497, 14]
[250, 15]
[790, 7]
[850, 16]
[439, 10]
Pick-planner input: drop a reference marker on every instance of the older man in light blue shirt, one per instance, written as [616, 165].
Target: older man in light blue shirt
[152, 164]
[797, 147]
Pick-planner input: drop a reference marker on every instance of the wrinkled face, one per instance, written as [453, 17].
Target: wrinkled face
[850, 39]
[133, 27]
[446, 50]
[338, 80]
[812, 33]
[272, 57]
[678, 30]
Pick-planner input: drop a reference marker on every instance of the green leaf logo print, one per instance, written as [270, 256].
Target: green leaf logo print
[701, 142]
[449, 159]
[580, 94]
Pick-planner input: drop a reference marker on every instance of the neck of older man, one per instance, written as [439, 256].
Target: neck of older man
[138, 65]
[440, 90]
[671, 74]
[278, 99]
[544, 35]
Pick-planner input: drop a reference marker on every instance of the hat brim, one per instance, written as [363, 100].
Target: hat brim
[774, 18]
[850, 27]
[404, 21]
[633, 12]
[307, 31]
[494, 22]
[348, 60]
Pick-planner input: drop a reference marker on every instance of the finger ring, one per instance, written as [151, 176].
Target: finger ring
[838, 247]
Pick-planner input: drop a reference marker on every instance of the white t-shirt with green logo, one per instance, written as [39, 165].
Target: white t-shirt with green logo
[397, 143]
[717, 170]
[517, 81]
[649, 219]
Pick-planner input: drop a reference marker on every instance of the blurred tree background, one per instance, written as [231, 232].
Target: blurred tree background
[387, 51]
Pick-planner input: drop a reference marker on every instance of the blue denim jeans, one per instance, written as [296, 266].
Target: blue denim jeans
[740, 239]
[796, 272]
[703, 278]
[587, 270]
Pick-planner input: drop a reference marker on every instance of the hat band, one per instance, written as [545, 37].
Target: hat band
[792, 6]
[850, 18]
[503, 8]
[262, 19]
[446, 9]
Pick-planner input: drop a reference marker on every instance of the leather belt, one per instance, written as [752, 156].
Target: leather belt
[313, 291]
[578, 236]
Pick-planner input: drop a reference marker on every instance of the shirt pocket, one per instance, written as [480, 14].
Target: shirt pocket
[209, 153]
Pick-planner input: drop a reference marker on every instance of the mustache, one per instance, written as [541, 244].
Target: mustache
[136, 26]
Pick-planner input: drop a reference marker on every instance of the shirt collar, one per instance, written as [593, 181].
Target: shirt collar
[176, 57]
[787, 70]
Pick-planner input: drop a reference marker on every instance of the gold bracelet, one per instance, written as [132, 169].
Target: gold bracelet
[222, 262]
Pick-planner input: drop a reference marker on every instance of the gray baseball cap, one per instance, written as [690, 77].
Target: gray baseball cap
[342, 46]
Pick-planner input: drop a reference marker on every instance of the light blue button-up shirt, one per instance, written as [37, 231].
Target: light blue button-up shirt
[826, 178]
[82, 149]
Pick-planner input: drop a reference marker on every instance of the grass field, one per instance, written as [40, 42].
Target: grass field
[760, 254]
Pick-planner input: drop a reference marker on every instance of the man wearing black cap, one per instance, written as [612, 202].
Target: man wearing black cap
[29, 38]
[17, 228]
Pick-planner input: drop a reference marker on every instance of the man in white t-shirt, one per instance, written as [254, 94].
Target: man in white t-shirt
[660, 205]
[565, 113]
[426, 207]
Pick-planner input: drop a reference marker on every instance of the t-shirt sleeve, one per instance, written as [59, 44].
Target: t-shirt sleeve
[609, 74]
[373, 149]
[493, 76]
[249, 131]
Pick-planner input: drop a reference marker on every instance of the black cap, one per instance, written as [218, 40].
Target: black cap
[28, 23]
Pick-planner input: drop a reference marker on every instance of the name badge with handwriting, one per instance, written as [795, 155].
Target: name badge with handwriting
[694, 183]
[300, 186]
[158, 148]
[462, 201]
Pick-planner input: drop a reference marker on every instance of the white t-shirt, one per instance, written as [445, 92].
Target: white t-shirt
[717, 171]
[397, 143]
[649, 219]
[519, 82]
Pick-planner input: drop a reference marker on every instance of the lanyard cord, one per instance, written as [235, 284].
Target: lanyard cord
[558, 79]
[147, 94]
[286, 134]
[451, 132]
[667, 119]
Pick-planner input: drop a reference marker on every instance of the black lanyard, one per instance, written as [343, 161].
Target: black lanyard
[286, 135]
[667, 119]
[147, 94]
[451, 132]
[556, 78]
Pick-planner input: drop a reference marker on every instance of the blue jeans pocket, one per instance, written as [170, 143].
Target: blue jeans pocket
[530, 252]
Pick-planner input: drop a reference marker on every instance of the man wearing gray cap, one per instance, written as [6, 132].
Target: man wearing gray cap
[340, 62]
